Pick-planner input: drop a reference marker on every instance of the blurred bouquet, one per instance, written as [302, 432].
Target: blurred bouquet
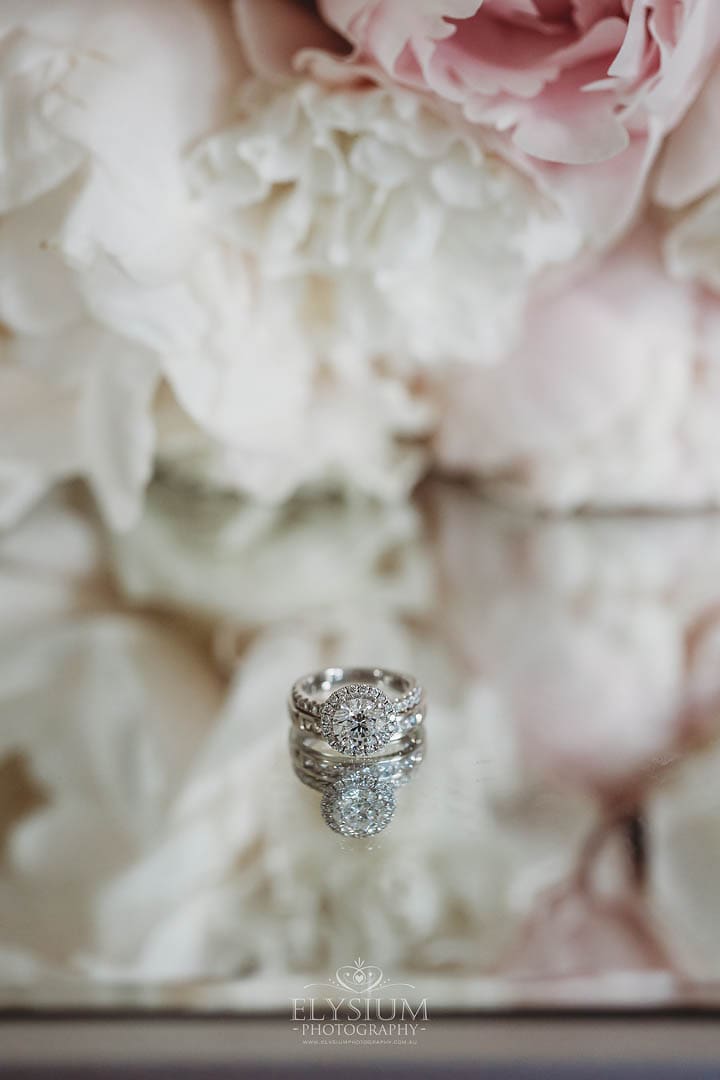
[276, 246]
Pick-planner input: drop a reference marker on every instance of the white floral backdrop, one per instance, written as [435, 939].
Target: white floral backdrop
[264, 266]
[277, 247]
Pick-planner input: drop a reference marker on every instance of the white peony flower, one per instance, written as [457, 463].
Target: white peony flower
[53, 569]
[250, 308]
[402, 236]
[134, 331]
[101, 101]
[253, 563]
[261, 409]
[89, 414]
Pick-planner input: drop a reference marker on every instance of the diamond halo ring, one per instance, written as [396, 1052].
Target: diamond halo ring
[357, 711]
[358, 797]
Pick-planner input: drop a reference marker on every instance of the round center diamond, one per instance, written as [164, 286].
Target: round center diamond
[358, 720]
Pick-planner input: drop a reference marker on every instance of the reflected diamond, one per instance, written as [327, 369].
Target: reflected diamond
[359, 805]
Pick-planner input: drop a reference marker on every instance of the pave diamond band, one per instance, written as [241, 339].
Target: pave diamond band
[357, 711]
[309, 693]
[318, 769]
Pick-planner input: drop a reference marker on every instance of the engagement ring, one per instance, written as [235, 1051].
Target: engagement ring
[357, 711]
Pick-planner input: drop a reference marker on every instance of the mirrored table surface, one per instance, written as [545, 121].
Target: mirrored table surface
[551, 841]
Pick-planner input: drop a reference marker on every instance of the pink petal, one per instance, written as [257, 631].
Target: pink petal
[690, 166]
[564, 125]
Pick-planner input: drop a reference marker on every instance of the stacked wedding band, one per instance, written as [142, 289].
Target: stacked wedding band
[318, 770]
[357, 712]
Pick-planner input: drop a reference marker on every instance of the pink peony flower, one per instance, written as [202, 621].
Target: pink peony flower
[611, 399]
[687, 183]
[596, 638]
[690, 164]
[580, 92]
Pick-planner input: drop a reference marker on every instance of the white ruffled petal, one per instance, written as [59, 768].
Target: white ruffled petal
[438, 239]
[34, 155]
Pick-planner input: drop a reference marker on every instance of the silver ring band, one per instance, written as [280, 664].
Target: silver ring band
[357, 711]
[317, 768]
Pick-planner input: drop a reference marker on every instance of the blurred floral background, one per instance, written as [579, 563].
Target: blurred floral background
[319, 323]
[279, 247]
